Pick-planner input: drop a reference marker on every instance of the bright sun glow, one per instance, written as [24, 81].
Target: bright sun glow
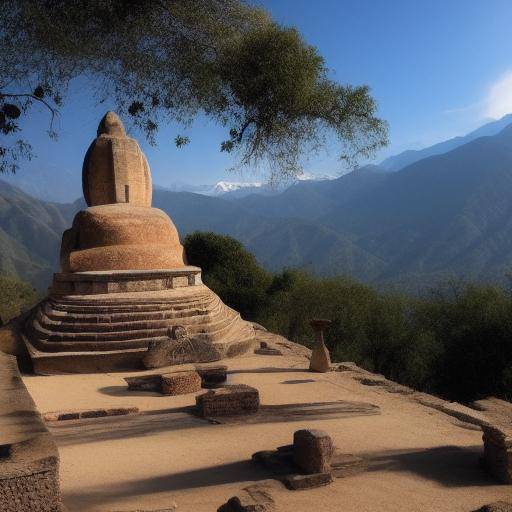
[499, 99]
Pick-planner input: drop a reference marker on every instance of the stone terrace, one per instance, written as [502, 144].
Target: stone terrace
[420, 458]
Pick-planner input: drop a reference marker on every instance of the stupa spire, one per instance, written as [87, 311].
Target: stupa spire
[115, 169]
[111, 124]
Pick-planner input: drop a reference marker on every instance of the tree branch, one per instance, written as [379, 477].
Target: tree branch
[52, 110]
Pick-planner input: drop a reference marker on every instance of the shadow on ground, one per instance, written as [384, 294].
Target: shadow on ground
[240, 471]
[150, 423]
[450, 466]
[124, 391]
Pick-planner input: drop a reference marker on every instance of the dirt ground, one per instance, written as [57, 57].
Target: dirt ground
[419, 459]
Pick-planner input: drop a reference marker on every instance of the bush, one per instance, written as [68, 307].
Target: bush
[230, 270]
[16, 296]
[456, 342]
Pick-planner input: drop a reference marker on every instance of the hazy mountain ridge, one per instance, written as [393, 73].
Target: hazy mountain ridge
[408, 157]
[446, 215]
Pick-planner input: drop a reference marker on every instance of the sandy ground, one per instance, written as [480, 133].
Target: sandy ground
[419, 459]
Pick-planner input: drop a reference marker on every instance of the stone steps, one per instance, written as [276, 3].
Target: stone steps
[117, 330]
[194, 325]
[104, 322]
[106, 307]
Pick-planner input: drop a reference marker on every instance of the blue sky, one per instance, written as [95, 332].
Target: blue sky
[437, 69]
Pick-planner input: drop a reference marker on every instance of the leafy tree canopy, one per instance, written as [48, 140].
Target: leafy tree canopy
[230, 270]
[168, 60]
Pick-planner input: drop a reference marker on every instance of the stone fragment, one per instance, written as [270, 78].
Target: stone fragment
[265, 350]
[89, 413]
[180, 383]
[145, 383]
[320, 359]
[497, 506]
[312, 451]
[160, 351]
[309, 481]
[497, 458]
[179, 348]
[121, 411]
[230, 400]
[255, 498]
[212, 376]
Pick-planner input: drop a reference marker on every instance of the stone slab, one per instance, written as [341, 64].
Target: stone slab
[230, 400]
[310, 481]
[89, 413]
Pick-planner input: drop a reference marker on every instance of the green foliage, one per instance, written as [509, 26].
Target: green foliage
[163, 60]
[285, 104]
[455, 342]
[229, 270]
[16, 296]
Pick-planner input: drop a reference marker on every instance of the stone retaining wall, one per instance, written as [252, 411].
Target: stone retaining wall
[29, 460]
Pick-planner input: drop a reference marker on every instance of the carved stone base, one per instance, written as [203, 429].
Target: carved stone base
[108, 331]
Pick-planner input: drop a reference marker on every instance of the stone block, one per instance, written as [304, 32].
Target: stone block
[231, 400]
[309, 481]
[212, 376]
[145, 383]
[497, 458]
[312, 451]
[181, 383]
[320, 359]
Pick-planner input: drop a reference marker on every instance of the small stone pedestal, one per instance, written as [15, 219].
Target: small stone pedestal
[228, 400]
[311, 461]
[320, 358]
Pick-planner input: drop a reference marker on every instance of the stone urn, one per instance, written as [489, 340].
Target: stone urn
[320, 358]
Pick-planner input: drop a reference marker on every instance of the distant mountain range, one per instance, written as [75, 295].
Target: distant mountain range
[397, 162]
[447, 215]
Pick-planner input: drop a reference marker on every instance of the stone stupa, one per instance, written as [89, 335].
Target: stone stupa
[124, 279]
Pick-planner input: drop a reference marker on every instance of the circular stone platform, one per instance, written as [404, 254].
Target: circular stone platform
[115, 281]
[104, 321]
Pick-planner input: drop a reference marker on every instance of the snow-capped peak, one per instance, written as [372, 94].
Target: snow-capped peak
[222, 187]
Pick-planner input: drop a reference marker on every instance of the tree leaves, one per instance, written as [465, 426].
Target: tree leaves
[168, 60]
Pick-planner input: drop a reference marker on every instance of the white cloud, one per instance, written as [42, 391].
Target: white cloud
[496, 103]
[499, 98]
